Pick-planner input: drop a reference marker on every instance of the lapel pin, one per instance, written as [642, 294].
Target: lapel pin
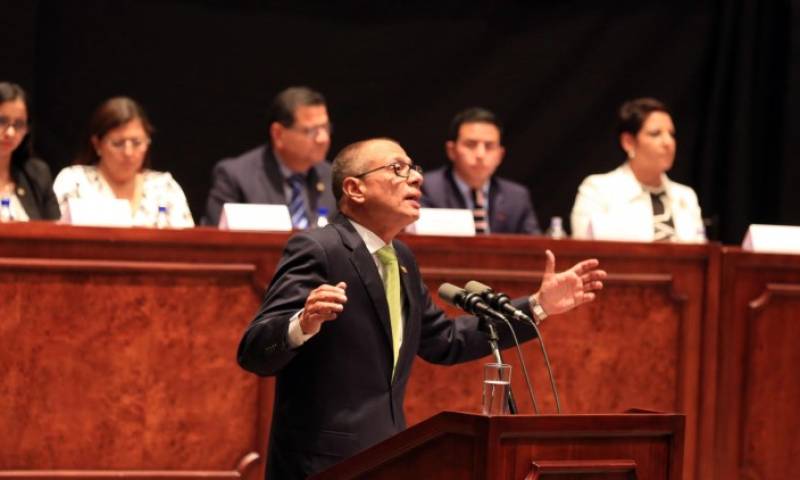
[320, 187]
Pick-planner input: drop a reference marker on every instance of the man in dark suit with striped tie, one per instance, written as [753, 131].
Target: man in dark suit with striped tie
[290, 169]
[475, 150]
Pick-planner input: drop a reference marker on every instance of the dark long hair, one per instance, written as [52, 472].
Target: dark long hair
[10, 92]
[114, 112]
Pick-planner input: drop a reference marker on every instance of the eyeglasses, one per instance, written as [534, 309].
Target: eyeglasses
[401, 169]
[312, 132]
[135, 143]
[19, 125]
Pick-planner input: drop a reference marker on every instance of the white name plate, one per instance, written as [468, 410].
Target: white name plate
[454, 222]
[613, 227]
[772, 239]
[115, 212]
[255, 217]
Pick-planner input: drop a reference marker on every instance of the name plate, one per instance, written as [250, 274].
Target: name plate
[454, 222]
[255, 217]
[114, 212]
[772, 239]
[614, 227]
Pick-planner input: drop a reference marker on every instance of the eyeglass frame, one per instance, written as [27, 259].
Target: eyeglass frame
[136, 143]
[312, 132]
[19, 125]
[395, 166]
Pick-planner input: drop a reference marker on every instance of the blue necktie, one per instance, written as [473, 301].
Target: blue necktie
[296, 207]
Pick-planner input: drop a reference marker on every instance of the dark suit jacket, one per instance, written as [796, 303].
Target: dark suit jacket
[255, 177]
[34, 188]
[510, 209]
[335, 394]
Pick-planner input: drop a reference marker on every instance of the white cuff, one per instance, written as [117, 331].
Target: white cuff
[296, 335]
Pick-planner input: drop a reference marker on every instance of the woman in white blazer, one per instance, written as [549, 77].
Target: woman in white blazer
[637, 201]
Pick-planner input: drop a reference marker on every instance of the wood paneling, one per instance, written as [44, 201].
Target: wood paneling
[757, 421]
[124, 360]
[117, 346]
[477, 447]
[637, 346]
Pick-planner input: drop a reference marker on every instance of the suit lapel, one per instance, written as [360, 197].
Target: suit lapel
[315, 187]
[409, 305]
[497, 211]
[367, 271]
[454, 194]
[275, 194]
[25, 194]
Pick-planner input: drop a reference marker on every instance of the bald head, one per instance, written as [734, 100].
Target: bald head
[377, 186]
[353, 160]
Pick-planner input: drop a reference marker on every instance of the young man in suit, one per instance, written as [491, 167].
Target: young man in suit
[347, 312]
[289, 169]
[475, 150]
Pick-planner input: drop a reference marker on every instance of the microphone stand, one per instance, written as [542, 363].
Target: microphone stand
[494, 345]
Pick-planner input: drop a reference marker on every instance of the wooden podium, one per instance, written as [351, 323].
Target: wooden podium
[465, 446]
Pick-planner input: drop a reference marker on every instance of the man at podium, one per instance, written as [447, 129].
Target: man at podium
[347, 312]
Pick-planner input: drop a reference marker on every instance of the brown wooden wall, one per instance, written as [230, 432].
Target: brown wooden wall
[117, 348]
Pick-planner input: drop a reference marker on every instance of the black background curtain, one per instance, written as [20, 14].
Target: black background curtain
[555, 72]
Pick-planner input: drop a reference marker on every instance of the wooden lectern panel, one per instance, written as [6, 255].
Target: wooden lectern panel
[583, 470]
[124, 365]
[466, 446]
[639, 345]
[758, 420]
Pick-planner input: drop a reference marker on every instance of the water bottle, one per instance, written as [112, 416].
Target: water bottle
[556, 229]
[5, 210]
[162, 217]
[322, 217]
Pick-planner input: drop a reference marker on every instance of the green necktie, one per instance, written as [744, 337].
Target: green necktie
[391, 283]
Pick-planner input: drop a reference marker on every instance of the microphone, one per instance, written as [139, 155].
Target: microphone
[474, 304]
[469, 302]
[497, 300]
[503, 303]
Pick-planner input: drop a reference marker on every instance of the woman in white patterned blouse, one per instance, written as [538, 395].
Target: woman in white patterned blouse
[114, 163]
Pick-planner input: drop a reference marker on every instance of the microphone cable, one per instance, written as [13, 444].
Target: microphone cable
[472, 303]
[493, 299]
[522, 363]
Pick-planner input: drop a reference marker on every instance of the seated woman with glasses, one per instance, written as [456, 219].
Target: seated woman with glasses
[114, 163]
[26, 183]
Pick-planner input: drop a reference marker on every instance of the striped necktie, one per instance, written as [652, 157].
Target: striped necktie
[479, 211]
[297, 208]
[391, 284]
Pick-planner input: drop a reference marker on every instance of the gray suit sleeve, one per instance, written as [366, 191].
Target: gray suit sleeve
[224, 189]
